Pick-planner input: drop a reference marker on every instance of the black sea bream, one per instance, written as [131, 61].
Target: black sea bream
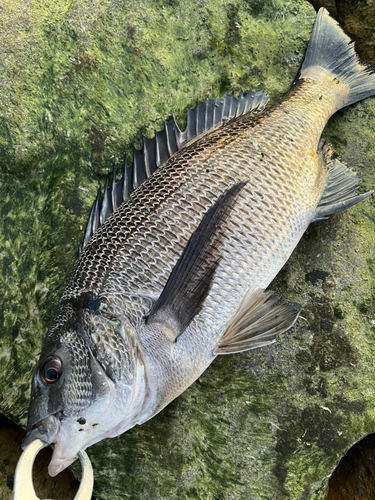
[177, 273]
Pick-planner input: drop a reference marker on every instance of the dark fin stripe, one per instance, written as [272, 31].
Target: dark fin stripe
[161, 147]
[96, 215]
[218, 112]
[165, 143]
[91, 226]
[139, 172]
[201, 118]
[113, 188]
[127, 187]
[117, 193]
[340, 192]
[322, 213]
[209, 116]
[106, 208]
[171, 129]
[190, 281]
[331, 53]
[259, 320]
[240, 104]
[191, 124]
[149, 155]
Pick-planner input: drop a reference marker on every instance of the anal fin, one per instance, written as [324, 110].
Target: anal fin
[340, 192]
[258, 322]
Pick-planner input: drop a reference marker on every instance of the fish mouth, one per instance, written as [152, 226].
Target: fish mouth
[46, 430]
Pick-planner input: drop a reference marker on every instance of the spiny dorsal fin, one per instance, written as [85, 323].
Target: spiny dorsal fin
[257, 322]
[340, 192]
[155, 151]
[190, 281]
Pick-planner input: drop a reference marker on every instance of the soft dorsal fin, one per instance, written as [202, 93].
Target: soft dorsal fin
[155, 151]
[190, 281]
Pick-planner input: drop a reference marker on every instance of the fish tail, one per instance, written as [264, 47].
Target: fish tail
[331, 53]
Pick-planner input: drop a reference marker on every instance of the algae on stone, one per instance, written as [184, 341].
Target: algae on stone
[80, 82]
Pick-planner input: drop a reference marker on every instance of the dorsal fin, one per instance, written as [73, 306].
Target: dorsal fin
[155, 151]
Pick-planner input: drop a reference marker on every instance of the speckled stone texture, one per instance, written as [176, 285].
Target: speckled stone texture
[80, 82]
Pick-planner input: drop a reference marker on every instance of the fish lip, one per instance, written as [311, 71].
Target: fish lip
[58, 464]
[35, 426]
[46, 430]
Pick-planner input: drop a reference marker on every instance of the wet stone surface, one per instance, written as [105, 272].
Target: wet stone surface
[79, 84]
[354, 478]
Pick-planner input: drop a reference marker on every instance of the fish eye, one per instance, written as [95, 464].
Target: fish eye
[51, 370]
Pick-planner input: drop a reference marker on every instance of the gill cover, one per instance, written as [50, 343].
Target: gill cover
[67, 379]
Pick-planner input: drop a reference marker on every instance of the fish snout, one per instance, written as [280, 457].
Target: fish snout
[46, 430]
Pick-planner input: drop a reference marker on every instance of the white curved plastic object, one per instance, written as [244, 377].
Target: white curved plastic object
[23, 478]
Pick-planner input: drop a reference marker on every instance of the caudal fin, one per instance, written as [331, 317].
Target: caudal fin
[331, 52]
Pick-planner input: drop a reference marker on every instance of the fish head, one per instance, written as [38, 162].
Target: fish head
[76, 397]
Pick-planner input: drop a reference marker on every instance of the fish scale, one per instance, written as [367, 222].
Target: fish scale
[163, 229]
[149, 231]
[269, 219]
[177, 273]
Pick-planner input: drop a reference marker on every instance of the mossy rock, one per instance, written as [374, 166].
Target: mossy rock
[80, 82]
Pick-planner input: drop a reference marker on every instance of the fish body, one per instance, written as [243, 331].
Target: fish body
[129, 335]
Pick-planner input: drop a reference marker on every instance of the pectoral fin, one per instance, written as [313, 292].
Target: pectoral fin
[257, 322]
[190, 281]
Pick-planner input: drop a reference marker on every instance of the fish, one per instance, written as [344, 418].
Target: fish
[178, 254]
